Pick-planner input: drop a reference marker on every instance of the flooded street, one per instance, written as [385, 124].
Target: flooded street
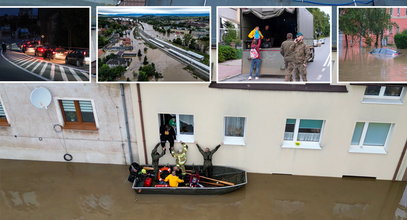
[48, 190]
[357, 64]
[150, 31]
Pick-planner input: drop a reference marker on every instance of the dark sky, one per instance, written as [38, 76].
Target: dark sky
[14, 11]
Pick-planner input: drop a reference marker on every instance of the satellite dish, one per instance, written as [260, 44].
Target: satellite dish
[41, 98]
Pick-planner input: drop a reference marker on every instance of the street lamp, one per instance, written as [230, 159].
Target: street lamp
[42, 39]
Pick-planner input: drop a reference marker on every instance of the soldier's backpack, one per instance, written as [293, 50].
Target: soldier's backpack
[253, 54]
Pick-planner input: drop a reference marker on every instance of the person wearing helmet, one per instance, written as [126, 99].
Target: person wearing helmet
[301, 56]
[180, 157]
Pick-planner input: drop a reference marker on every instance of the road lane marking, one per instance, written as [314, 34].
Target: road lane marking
[52, 74]
[75, 75]
[35, 67]
[25, 70]
[30, 64]
[43, 68]
[327, 61]
[62, 71]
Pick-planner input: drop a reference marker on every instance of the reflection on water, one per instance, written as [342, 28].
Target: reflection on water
[47, 190]
[357, 64]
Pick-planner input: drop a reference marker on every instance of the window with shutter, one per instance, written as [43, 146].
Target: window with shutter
[78, 114]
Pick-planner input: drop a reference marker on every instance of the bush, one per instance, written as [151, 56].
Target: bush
[227, 53]
[401, 40]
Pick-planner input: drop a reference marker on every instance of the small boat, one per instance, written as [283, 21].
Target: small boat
[224, 180]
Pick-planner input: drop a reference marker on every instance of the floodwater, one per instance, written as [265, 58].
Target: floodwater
[357, 65]
[57, 190]
[148, 29]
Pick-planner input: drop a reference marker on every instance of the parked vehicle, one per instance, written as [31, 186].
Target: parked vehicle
[77, 57]
[29, 49]
[322, 41]
[281, 21]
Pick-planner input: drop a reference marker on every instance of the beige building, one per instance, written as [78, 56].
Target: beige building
[317, 129]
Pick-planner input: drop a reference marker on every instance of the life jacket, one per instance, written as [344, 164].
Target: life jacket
[162, 172]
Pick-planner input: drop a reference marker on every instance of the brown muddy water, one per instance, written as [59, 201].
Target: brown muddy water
[52, 190]
[356, 64]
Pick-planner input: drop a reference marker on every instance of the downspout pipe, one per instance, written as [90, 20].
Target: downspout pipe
[126, 119]
[143, 134]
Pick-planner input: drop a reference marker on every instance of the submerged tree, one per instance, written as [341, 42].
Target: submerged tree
[145, 62]
[139, 53]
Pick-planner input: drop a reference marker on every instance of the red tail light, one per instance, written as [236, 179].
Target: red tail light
[40, 49]
[53, 52]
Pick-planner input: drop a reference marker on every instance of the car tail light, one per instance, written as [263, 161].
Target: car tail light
[84, 53]
[40, 49]
[53, 52]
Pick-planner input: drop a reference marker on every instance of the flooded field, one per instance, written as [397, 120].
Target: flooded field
[357, 64]
[150, 31]
[47, 190]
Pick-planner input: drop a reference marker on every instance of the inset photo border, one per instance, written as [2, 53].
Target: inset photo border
[141, 52]
[236, 23]
[367, 45]
[44, 44]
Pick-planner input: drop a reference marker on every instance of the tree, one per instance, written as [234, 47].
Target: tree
[230, 35]
[187, 39]
[145, 62]
[177, 41]
[321, 23]
[148, 71]
[139, 53]
[145, 49]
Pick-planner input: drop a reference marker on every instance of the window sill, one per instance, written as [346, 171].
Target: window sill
[367, 149]
[381, 101]
[186, 138]
[301, 145]
[239, 141]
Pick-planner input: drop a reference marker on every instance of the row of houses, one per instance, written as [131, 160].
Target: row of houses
[314, 129]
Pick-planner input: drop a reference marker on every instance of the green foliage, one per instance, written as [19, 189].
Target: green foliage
[148, 71]
[187, 39]
[227, 53]
[401, 40]
[177, 41]
[321, 23]
[110, 74]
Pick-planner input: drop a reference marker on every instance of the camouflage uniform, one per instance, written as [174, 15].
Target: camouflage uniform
[301, 56]
[288, 55]
[155, 156]
[207, 166]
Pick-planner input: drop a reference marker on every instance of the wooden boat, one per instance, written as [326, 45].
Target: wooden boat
[224, 180]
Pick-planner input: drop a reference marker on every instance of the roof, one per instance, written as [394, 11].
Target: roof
[117, 61]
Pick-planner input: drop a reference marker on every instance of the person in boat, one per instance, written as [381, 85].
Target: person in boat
[180, 157]
[134, 170]
[142, 178]
[167, 133]
[173, 179]
[194, 179]
[155, 156]
[207, 156]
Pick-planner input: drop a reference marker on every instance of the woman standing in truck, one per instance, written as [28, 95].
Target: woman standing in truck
[255, 57]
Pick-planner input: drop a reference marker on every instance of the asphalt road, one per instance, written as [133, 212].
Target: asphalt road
[17, 66]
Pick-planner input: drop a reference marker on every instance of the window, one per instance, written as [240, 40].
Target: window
[384, 94]
[78, 114]
[303, 133]
[183, 125]
[370, 137]
[3, 117]
[398, 12]
[234, 130]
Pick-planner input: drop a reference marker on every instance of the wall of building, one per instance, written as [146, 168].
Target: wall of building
[31, 135]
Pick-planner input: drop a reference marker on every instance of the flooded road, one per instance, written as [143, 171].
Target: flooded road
[48, 190]
[356, 64]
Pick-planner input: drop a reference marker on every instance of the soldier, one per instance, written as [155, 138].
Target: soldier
[207, 155]
[180, 157]
[288, 55]
[301, 57]
[155, 156]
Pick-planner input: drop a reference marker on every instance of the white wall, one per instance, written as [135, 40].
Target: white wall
[27, 124]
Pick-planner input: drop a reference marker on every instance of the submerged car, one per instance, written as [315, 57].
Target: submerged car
[385, 52]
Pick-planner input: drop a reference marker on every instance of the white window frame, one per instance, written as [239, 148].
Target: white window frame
[303, 144]
[232, 140]
[187, 138]
[360, 148]
[382, 99]
[59, 110]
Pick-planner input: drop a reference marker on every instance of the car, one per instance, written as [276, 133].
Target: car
[26, 44]
[315, 43]
[40, 50]
[78, 57]
[29, 49]
[321, 41]
[385, 52]
[60, 53]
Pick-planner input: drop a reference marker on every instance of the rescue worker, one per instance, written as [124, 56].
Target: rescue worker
[180, 157]
[155, 157]
[173, 179]
[301, 57]
[134, 170]
[207, 156]
[167, 133]
[288, 55]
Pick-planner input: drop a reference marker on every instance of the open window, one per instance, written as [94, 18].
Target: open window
[183, 125]
[303, 133]
[78, 114]
[234, 130]
[384, 94]
[3, 117]
[370, 137]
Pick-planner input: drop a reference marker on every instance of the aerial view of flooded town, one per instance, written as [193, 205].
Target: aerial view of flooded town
[153, 44]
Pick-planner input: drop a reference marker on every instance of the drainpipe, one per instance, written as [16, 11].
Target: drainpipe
[126, 118]
[140, 106]
[400, 162]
